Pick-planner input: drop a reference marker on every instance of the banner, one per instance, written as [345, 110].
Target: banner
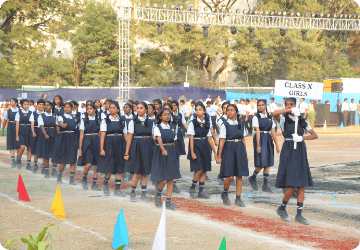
[299, 89]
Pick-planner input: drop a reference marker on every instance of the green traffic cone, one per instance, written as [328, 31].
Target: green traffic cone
[223, 244]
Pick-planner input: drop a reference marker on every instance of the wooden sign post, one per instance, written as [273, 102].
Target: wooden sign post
[298, 89]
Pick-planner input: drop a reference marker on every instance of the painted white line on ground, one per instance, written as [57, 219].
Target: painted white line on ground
[52, 216]
[221, 227]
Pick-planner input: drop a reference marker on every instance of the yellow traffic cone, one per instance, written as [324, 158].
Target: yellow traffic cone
[57, 207]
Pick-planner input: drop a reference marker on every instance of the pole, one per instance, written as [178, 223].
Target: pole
[296, 120]
[120, 89]
[187, 68]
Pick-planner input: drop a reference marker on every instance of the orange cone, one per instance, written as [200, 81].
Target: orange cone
[21, 189]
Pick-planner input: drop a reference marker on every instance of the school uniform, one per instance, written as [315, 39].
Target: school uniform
[221, 120]
[303, 108]
[141, 149]
[212, 113]
[34, 140]
[179, 120]
[249, 126]
[66, 146]
[32, 108]
[77, 115]
[91, 141]
[201, 131]
[11, 127]
[114, 146]
[24, 118]
[265, 123]
[165, 167]
[58, 111]
[127, 119]
[294, 170]
[233, 157]
[45, 147]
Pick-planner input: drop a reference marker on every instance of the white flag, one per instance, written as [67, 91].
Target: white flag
[325, 125]
[160, 236]
[2, 248]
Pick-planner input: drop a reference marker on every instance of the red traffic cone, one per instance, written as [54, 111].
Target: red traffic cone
[21, 189]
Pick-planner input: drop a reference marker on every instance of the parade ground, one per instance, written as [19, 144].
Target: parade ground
[332, 206]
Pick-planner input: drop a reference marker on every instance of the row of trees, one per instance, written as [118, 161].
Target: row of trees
[30, 28]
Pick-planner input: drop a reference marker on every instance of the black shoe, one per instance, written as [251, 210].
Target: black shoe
[59, 178]
[95, 187]
[133, 197]
[47, 175]
[283, 215]
[192, 194]
[158, 201]
[72, 182]
[106, 190]
[84, 183]
[144, 198]
[170, 206]
[239, 202]
[35, 169]
[13, 164]
[202, 195]
[253, 183]
[301, 219]
[225, 198]
[43, 170]
[207, 178]
[220, 180]
[119, 193]
[266, 189]
[54, 173]
[176, 189]
[28, 167]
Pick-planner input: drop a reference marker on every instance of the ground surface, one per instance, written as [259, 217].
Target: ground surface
[332, 206]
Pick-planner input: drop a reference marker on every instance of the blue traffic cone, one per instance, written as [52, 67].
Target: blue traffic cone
[341, 126]
[121, 236]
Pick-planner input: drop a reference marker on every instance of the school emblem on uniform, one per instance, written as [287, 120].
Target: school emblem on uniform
[75, 120]
[54, 116]
[25, 114]
[74, 116]
[143, 123]
[201, 125]
[173, 130]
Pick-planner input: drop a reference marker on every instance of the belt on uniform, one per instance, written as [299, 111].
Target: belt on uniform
[24, 124]
[67, 131]
[141, 136]
[49, 127]
[199, 138]
[235, 140]
[288, 139]
[265, 132]
[12, 121]
[92, 134]
[116, 134]
[166, 144]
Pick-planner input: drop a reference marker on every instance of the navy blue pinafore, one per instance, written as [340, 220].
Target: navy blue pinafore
[25, 133]
[127, 120]
[58, 112]
[91, 143]
[45, 147]
[234, 160]
[266, 157]
[202, 148]
[11, 131]
[294, 170]
[141, 149]
[179, 143]
[166, 167]
[34, 140]
[66, 146]
[77, 116]
[114, 146]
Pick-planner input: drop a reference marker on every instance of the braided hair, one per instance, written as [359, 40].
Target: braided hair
[158, 117]
[136, 119]
[237, 114]
[107, 118]
[266, 110]
[95, 114]
[176, 103]
[61, 102]
[207, 118]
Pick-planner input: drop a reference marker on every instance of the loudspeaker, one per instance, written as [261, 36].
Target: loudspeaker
[322, 114]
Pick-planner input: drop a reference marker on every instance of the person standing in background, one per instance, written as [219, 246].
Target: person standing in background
[345, 110]
[358, 109]
[303, 108]
[283, 105]
[353, 108]
[273, 107]
[249, 113]
[339, 112]
[31, 106]
[217, 100]
[182, 97]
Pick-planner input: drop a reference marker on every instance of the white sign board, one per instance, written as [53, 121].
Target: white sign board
[298, 89]
[23, 95]
[186, 84]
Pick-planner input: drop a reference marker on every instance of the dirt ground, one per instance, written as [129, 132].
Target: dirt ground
[332, 206]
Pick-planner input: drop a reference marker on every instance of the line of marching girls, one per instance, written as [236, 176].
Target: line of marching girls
[148, 139]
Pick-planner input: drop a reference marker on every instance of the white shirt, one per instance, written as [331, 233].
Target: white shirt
[345, 107]
[223, 128]
[5, 115]
[83, 110]
[17, 116]
[248, 108]
[82, 125]
[59, 118]
[303, 107]
[211, 110]
[282, 122]
[130, 128]
[40, 119]
[193, 110]
[103, 124]
[352, 106]
[163, 126]
[183, 110]
[272, 107]
[191, 129]
[241, 109]
[206, 100]
[255, 121]
[220, 121]
[32, 108]
[152, 117]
